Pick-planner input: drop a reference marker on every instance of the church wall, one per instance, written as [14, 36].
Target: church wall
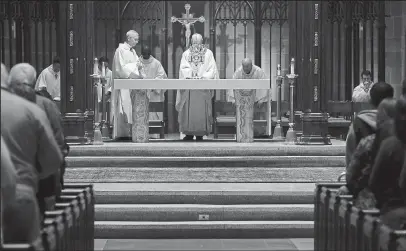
[395, 44]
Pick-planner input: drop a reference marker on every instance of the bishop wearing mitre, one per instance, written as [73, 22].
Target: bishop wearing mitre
[194, 106]
[126, 65]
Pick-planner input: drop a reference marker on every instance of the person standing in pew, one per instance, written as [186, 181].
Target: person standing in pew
[365, 122]
[361, 92]
[194, 106]
[386, 171]
[248, 70]
[153, 70]
[34, 153]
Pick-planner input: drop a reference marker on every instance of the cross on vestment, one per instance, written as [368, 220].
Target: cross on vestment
[186, 20]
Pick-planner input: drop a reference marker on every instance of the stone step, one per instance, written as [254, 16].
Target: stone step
[202, 229]
[198, 212]
[204, 193]
[225, 161]
[209, 149]
[202, 175]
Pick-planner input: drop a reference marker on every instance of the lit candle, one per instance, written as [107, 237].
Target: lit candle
[103, 71]
[95, 67]
[278, 72]
[292, 66]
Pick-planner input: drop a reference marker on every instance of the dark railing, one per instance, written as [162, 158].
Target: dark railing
[69, 227]
[338, 225]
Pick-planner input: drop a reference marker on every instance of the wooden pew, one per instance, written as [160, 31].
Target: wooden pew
[157, 126]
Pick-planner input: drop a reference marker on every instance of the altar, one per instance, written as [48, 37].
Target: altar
[244, 104]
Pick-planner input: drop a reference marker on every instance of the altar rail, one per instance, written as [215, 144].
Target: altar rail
[338, 225]
[69, 227]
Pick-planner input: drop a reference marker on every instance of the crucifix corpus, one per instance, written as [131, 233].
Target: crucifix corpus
[186, 20]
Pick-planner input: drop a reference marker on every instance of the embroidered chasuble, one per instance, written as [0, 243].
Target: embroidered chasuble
[194, 106]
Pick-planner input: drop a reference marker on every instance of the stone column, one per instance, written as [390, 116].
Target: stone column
[140, 112]
[244, 100]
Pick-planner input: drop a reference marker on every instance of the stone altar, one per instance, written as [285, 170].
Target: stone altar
[244, 103]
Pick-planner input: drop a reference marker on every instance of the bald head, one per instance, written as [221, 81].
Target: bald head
[247, 65]
[197, 39]
[145, 52]
[132, 38]
[4, 76]
[23, 73]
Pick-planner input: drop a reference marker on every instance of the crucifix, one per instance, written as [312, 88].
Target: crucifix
[186, 20]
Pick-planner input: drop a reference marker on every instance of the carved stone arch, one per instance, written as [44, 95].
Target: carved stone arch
[235, 9]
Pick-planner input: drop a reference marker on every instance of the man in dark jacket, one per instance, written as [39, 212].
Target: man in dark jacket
[365, 122]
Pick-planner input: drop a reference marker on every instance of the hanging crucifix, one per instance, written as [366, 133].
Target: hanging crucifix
[186, 20]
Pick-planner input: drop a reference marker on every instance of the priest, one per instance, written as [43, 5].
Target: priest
[153, 70]
[126, 65]
[194, 106]
[248, 70]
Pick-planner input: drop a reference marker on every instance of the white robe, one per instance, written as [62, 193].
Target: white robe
[256, 73]
[125, 64]
[194, 106]
[50, 80]
[153, 70]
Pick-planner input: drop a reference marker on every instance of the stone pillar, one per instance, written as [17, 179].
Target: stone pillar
[244, 100]
[140, 116]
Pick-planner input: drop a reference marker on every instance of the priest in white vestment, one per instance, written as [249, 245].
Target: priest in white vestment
[153, 70]
[194, 106]
[126, 65]
[50, 80]
[108, 79]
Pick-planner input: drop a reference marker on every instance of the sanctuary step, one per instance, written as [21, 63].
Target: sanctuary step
[204, 190]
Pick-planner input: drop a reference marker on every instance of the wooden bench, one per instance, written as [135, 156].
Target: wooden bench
[226, 124]
[157, 126]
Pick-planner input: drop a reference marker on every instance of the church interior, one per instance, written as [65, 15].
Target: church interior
[218, 194]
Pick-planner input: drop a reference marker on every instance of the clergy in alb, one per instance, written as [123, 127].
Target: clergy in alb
[248, 70]
[153, 70]
[194, 106]
[50, 80]
[126, 65]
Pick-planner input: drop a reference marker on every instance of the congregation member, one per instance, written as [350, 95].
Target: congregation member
[50, 80]
[46, 187]
[361, 92]
[359, 169]
[153, 70]
[365, 122]
[194, 106]
[126, 65]
[34, 153]
[386, 172]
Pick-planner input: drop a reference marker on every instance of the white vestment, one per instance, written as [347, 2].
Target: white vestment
[153, 70]
[194, 106]
[107, 86]
[50, 80]
[256, 73]
[125, 64]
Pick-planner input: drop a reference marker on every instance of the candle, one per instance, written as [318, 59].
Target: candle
[103, 71]
[95, 66]
[278, 72]
[292, 66]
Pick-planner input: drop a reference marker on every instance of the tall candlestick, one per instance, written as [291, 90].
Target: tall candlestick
[103, 71]
[292, 66]
[95, 66]
[278, 72]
